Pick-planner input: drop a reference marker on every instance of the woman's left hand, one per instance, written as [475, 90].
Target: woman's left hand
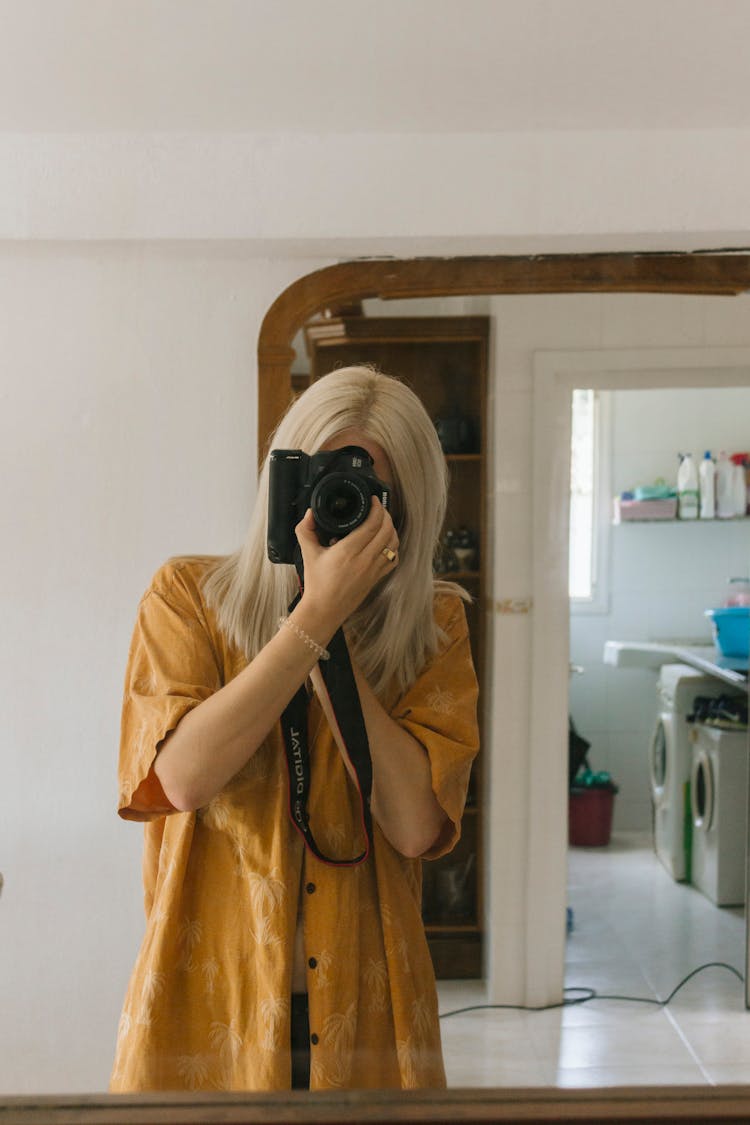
[339, 578]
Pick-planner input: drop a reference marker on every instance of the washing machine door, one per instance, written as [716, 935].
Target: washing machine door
[702, 792]
[660, 752]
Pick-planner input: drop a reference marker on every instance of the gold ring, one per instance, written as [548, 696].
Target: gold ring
[389, 554]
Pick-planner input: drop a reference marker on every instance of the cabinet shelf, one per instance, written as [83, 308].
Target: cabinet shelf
[459, 575]
[444, 361]
[451, 928]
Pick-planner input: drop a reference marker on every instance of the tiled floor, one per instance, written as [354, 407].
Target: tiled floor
[637, 934]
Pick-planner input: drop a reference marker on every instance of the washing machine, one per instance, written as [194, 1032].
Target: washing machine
[718, 797]
[670, 763]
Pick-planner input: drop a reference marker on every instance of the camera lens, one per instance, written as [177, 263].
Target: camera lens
[340, 503]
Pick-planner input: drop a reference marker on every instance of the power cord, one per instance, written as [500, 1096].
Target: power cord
[591, 994]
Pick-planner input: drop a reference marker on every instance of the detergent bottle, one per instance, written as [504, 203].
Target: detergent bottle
[687, 489]
[739, 489]
[707, 474]
[724, 487]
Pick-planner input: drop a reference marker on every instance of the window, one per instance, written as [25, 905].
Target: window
[589, 501]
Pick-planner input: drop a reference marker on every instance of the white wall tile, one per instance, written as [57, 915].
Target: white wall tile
[629, 750]
[630, 615]
[588, 632]
[511, 550]
[643, 320]
[735, 552]
[635, 468]
[512, 459]
[568, 320]
[631, 700]
[512, 368]
[687, 420]
[588, 699]
[630, 816]
[727, 320]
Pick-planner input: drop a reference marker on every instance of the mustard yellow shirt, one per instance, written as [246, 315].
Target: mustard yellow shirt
[207, 1006]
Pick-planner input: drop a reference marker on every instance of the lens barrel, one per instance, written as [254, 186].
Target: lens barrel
[340, 502]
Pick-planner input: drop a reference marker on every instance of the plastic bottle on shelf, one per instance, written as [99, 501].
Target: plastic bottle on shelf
[739, 492]
[724, 487]
[743, 460]
[687, 488]
[707, 474]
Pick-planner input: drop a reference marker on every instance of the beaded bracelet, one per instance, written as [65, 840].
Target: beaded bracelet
[320, 652]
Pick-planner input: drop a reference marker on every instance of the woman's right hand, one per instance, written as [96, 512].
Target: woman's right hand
[339, 578]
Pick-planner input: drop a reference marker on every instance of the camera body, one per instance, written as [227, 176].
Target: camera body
[337, 484]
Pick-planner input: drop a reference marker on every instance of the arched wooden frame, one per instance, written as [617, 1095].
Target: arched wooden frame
[706, 273]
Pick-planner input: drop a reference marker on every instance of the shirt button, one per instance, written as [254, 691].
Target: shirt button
[313, 1039]
[312, 963]
[310, 888]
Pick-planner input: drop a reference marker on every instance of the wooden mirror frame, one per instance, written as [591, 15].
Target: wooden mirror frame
[534, 1106]
[333, 287]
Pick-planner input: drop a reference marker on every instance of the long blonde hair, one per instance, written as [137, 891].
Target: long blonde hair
[394, 633]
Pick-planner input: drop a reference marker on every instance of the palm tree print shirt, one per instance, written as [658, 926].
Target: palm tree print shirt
[208, 1003]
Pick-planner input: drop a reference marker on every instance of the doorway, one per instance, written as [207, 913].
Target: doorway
[556, 377]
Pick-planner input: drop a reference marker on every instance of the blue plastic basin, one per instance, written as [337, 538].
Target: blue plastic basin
[731, 629]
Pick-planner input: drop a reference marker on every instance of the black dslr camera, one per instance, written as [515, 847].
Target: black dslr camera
[338, 485]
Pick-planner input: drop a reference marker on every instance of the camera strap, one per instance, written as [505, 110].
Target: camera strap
[341, 686]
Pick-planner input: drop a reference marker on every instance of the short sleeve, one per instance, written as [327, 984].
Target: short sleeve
[172, 667]
[440, 711]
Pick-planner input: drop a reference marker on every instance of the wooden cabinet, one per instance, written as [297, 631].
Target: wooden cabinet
[444, 360]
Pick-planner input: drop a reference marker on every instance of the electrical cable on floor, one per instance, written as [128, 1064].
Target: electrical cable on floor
[591, 994]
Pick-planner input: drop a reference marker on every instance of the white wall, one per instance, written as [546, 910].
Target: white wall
[352, 194]
[128, 435]
[662, 577]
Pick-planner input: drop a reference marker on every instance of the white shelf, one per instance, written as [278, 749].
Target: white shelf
[647, 654]
[713, 522]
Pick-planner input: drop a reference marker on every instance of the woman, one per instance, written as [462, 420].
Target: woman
[261, 965]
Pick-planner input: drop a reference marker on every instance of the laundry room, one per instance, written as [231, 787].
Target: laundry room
[647, 580]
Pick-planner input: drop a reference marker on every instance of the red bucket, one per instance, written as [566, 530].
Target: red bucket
[590, 817]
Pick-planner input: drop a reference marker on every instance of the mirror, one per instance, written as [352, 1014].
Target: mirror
[550, 409]
[517, 389]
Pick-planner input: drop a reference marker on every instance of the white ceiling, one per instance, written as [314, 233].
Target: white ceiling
[373, 65]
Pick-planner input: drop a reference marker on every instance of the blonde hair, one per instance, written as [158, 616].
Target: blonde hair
[393, 633]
